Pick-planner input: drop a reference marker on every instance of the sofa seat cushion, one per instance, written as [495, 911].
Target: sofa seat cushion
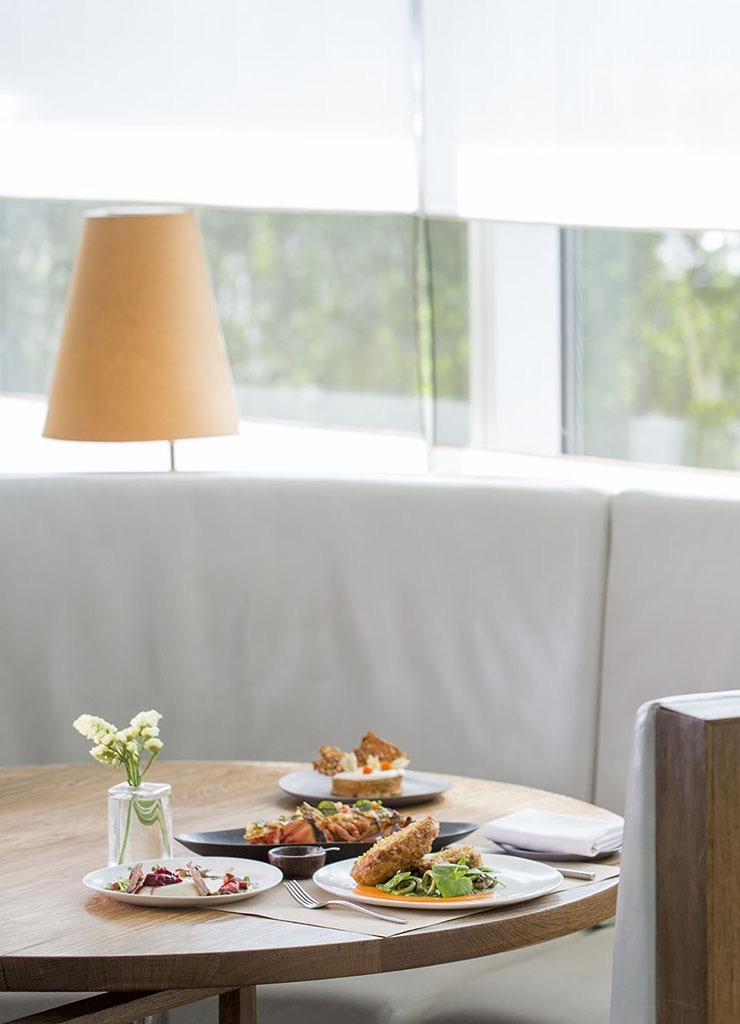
[567, 981]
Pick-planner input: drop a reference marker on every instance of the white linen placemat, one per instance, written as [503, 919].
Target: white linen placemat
[534, 829]
[278, 905]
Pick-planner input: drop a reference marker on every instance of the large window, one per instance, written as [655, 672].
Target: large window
[352, 320]
[475, 224]
[658, 333]
[37, 245]
[611, 344]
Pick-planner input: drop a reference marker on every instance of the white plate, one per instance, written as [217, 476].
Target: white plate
[525, 880]
[519, 851]
[312, 785]
[264, 877]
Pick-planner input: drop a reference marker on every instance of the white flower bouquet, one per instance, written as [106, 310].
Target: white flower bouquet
[134, 806]
[124, 748]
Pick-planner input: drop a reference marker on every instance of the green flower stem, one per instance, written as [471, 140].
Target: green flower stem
[134, 773]
[124, 844]
[149, 811]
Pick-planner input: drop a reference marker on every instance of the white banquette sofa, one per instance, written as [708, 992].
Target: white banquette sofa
[501, 629]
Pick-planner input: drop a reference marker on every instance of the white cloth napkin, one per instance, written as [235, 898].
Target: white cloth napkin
[545, 831]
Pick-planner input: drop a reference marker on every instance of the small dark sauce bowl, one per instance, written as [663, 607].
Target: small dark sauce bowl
[298, 861]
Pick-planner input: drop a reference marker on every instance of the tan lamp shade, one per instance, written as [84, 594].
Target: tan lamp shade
[141, 356]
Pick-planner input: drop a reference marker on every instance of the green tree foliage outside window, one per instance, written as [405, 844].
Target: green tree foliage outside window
[319, 303]
[660, 328]
[315, 299]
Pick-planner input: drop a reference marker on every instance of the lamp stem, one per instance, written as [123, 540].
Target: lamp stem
[172, 456]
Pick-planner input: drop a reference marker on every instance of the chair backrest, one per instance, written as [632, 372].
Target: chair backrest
[678, 914]
[697, 873]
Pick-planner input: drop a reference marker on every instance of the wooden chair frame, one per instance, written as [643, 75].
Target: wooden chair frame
[697, 862]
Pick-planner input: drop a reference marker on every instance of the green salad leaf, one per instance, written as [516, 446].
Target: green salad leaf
[448, 880]
[442, 881]
[403, 883]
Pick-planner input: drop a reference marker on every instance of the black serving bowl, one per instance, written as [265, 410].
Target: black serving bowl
[297, 861]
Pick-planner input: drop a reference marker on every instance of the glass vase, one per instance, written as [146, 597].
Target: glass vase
[139, 822]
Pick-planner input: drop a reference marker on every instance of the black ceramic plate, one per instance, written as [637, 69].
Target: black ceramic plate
[231, 842]
[311, 785]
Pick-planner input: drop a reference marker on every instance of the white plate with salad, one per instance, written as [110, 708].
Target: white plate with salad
[171, 882]
[517, 880]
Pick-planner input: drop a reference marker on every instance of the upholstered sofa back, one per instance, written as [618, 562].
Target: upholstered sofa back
[672, 613]
[266, 616]
[502, 629]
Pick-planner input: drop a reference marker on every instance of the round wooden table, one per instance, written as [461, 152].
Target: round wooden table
[58, 936]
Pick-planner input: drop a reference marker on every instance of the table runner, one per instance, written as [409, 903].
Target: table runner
[279, 905]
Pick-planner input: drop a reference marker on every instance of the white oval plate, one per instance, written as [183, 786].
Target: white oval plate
[519, 851]
[311, 785]
[524, 880]
[263, 876]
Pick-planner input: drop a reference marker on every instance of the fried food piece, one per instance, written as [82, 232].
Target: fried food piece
[371, 744]
[451, 855]
[396, 852]
[330, 760]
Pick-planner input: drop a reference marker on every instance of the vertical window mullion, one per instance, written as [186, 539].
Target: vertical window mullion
[515, 337]
[572, 341]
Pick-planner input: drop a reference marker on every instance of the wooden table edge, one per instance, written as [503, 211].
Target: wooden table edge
[547, 917]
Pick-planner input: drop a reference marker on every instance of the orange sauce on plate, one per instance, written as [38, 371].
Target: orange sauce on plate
[369, 890]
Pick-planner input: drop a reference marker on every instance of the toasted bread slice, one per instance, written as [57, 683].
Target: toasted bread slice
[372, 744]
[330, 760]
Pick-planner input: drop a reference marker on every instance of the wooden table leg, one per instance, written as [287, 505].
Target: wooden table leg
[239, 1006]
[125, 1007]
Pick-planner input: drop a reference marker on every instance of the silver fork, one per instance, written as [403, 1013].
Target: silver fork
[300, 895]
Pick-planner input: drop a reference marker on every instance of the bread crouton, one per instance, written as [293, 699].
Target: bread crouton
[370, 745]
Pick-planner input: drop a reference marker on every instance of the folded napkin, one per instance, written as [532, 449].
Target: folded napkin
[545, 831]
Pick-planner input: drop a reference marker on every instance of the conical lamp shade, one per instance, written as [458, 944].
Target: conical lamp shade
[141, 356]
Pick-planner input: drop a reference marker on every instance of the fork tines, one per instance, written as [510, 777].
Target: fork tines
[298, 893]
